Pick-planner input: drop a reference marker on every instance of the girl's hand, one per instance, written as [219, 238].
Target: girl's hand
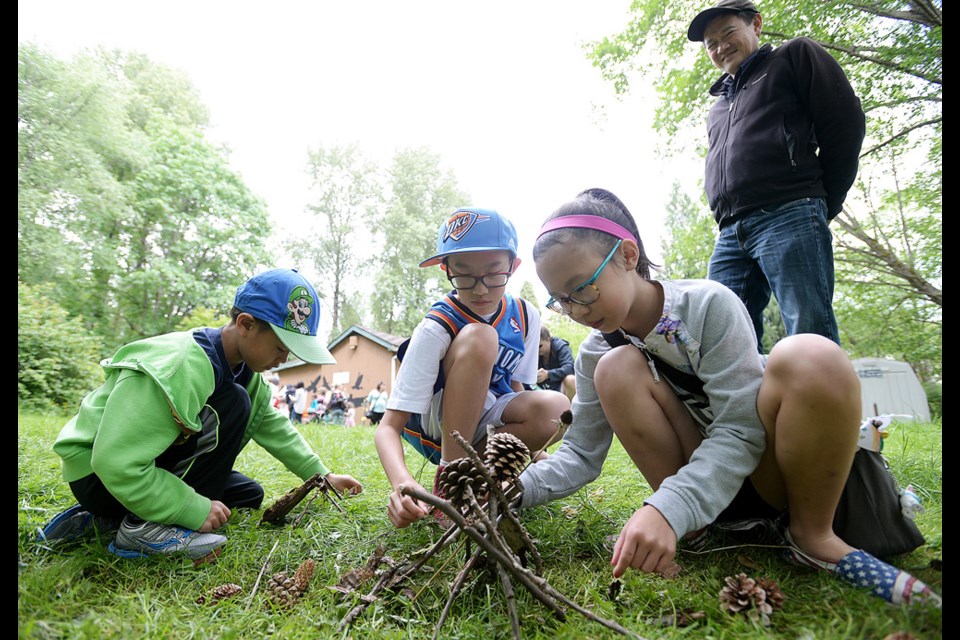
[404, 510]
[647, 543]
[344, 483]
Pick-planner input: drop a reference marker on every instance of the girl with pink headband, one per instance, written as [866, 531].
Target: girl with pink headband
[722, 435]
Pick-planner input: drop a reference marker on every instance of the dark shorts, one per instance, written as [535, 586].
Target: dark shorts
[748, 505]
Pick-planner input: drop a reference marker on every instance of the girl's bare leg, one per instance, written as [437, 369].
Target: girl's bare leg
[647, 416]
[809, 403]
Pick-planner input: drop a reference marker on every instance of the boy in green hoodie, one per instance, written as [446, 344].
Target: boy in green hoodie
[152, 450]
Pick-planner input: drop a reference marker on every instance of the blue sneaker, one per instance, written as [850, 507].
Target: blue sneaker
[141, 539]
[75, 523]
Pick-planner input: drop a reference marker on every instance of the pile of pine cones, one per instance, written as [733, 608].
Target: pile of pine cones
[756, 599]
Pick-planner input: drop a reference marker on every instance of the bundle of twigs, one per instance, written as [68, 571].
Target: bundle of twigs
[488, 521]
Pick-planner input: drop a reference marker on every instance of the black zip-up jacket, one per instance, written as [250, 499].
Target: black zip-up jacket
[787, 103]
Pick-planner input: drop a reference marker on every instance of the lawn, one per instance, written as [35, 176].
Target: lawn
[82, 591]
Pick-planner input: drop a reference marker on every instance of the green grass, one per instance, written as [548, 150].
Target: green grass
[82, 591]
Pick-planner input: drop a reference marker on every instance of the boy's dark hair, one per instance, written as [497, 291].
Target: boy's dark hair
[300, 385]
[235, 313]
[594, 202]
[544, 333]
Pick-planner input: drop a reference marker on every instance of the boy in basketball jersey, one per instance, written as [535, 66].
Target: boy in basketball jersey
[466, 363]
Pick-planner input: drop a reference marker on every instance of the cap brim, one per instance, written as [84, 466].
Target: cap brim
[699, 24]
[306, 347]
[438, 259]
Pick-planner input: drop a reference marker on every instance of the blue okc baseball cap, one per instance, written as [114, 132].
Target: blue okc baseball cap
[287, 301]
[474, 230]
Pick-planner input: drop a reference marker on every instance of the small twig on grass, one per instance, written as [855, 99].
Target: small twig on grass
[263, 569]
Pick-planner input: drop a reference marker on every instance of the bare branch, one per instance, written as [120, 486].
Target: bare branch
[886, 257]
[897, 103]
[901, 134]
[921, 12]
[861, 53]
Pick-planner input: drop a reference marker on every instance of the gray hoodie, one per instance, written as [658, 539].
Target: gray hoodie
[704, 330]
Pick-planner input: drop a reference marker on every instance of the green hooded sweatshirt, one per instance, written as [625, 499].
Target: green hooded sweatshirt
[152, 396]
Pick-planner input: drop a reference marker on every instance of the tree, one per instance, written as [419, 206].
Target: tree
[692, 233]
[346, 196]
[893, 55]
[124, 208]
[422, 196]
[528, 294]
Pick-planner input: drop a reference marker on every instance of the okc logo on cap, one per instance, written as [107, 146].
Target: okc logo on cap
[460, 223]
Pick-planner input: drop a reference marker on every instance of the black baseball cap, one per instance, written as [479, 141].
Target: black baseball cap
[699, 24]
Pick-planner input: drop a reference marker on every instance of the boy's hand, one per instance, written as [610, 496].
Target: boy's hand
[647, 543]
[219, 513]
[404, 510]
[344, 483]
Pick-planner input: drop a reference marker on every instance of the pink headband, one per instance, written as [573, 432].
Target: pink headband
[587, 222]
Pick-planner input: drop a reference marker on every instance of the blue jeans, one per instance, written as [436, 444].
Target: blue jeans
[786, 249]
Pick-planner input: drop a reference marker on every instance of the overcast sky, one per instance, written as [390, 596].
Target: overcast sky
[501, 90]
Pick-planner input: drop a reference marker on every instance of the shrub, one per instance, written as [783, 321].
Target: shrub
[57, 357]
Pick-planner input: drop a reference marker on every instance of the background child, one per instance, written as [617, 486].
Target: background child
[717, 432]
[467, 360]
[166, 469]
[556, 365]
[350, 419]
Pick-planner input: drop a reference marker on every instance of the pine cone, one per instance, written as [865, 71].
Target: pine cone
[506, 456]
[222, 592]
[284, 591]
[304, 572]
[456, 477]
[743, 595]
[775, 595]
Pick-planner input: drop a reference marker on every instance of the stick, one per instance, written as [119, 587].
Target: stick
[367, 600]
[498, 492]
[305, 507]
[511, 603]
[263, 569]
[455, 591]
[393, 577]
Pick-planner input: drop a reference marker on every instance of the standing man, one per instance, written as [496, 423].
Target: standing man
[784, 139]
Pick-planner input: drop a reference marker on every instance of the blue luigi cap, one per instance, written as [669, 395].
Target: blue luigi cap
[289, 304]
[474, 230]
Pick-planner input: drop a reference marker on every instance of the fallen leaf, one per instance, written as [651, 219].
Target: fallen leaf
[683, 618]
[748, 562]
[671, 572]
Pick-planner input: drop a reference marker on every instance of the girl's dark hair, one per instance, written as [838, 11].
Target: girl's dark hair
[594, 202]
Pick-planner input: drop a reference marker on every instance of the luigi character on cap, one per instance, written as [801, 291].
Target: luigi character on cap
[151, 452]
[465, 365]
